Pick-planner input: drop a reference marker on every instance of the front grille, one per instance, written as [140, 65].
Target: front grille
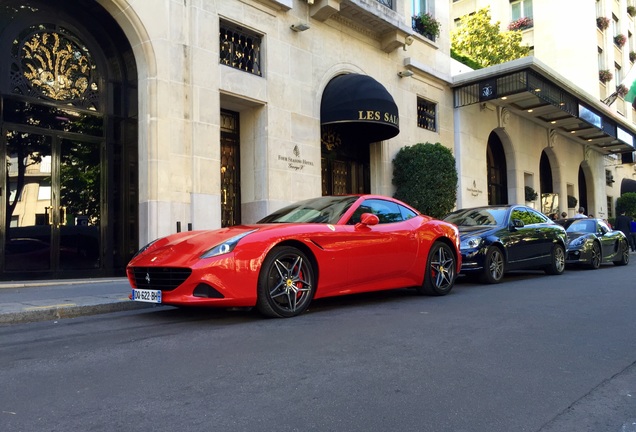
[160, 278]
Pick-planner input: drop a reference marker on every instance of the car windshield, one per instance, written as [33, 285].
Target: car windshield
[581, 225]
[328, 209]
[478, 216]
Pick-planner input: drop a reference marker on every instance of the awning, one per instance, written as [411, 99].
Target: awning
[359, 108]
[628, 185]
[529, 89]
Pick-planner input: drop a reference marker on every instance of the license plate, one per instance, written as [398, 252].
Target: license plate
[145, 295]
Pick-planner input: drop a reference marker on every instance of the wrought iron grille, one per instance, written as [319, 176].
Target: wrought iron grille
[240, 49]
[426, 114]
[387, 3]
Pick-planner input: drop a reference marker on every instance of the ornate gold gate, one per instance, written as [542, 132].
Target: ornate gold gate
[230, 174]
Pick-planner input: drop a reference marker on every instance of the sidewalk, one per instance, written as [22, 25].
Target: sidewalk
[31, 301]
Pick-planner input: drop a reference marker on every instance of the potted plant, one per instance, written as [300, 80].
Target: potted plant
[632, 56]
[604, 75]
[602, 22]
[426, 25]
[622, 90]
[631, 10]
[521, 24]
[619, 40]
[531, 194]
[572, 201]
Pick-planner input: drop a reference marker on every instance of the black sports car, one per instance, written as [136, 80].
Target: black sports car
[592, 242]
[496, 239]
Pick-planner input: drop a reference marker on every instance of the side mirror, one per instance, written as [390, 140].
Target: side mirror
[368, 219]
[517, 223]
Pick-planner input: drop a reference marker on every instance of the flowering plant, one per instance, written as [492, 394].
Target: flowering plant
[521, 24]
[622, 90]
[620, 40]
[602, 22]
[426, 25]
[604, 75]
[632, 56]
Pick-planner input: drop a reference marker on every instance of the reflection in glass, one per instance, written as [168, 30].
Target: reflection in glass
[80, 204]
[28, 211]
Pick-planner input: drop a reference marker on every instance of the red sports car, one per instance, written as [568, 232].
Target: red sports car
[322, 247]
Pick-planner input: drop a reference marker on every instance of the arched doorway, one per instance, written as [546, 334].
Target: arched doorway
[583, 190]
[69, 139]
[497, 171]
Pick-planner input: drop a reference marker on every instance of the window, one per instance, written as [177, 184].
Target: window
[618, 73]
[521, 9]
[610, 206]
[609, 178]
[240, 48]
[427, 114]
[386, 211]
[420, 6]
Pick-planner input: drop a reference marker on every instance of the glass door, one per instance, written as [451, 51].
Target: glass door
[28, 209]
[79, 208]
[54, 206]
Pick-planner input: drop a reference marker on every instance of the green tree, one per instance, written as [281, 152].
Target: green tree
[425, 176]
[480, 40]
[627, 203]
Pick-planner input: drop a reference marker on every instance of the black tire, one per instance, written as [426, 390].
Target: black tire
[595, 261]
[441, 270]
[286, 283]
[494, 266]
[624, 255]
[557, 262]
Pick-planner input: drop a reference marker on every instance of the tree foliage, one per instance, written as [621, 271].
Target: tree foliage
[627, 203]
[425, 177]
[481, 40]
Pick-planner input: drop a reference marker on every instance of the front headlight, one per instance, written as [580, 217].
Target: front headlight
[226, 247]
[471, 243]
[577, 242]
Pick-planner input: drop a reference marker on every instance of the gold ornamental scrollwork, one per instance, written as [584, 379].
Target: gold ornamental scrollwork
[56, 66]
[330, 138]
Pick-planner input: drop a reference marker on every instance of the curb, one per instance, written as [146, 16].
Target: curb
[37, 314]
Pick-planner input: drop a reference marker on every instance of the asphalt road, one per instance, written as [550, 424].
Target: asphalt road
[536, 353]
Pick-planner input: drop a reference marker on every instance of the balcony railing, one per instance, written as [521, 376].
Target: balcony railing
[387, 3]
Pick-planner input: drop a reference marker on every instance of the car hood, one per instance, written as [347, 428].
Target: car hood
[473, 231]
[178, 249]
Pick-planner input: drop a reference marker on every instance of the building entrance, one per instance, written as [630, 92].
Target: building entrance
[68, 136]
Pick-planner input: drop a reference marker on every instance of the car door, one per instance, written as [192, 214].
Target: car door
[384, 252]
[525, 239]
[609, 240]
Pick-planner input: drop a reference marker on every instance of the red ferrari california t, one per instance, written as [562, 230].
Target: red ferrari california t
[322, 247]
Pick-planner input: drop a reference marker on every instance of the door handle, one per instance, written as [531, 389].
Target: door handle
[63, 214]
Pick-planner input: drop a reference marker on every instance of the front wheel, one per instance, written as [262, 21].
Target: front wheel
[595, 260]
[441, 269]
[494, 266]
[286, 283]
[557, 264]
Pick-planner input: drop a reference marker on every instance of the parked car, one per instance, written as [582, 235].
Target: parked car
[327, 246]
[497, 239]
[592, 242]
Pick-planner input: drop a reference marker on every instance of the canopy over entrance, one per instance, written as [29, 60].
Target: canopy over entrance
[360, 109]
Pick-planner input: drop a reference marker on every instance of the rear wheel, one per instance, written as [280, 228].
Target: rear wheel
[595, 261]
[441, 269]
[286, 284]
[494, 266]
[624, 255]
[557, 265]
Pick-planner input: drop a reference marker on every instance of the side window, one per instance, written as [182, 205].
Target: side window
[407, 213]
[536, 217]
[386, 211]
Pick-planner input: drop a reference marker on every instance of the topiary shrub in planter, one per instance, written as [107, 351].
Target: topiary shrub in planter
[531, 194]
[425, 177]
[572, 201]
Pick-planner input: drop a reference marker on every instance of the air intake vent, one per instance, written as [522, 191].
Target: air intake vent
[160, 278]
